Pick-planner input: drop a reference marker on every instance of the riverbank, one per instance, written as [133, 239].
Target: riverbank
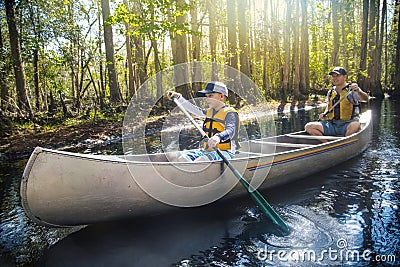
[21, 143]
[85, 134]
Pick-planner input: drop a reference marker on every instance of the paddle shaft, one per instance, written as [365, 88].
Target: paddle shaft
[256, 196]
[337, 103]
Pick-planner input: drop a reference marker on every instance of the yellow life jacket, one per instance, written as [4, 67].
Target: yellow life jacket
[347, 109]
[215, 123]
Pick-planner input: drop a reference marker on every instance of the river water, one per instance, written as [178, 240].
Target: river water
[347, 215]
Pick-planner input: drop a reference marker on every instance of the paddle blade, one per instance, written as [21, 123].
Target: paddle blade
[269, 211]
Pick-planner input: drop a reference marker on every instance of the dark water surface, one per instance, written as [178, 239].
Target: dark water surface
[347, 215]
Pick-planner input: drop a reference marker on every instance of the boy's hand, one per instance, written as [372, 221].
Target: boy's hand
[171, 94]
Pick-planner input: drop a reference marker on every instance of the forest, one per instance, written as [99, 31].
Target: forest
[63, 59]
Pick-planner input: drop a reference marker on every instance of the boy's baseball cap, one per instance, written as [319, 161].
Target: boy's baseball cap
[213, 87]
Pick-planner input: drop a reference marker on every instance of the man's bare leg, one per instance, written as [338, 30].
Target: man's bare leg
[353, 127]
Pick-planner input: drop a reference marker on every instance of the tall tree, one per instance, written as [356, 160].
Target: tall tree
[181, 53]
[139, 54]
[129, 56]
[285, 82]
[304, 84]
[35, 21]
[373, 82]
[3, 74]
[211, 8]
[244, 43]
[20, 82]
[295, 55]
[101, 82]
[265, 80]
[196, 47]
[154, 46]
[346, 11]
[364, 45]
[335, 24]
[232, 34]
[396, 75]
[232, 57]
[115, 95]
[379, 51]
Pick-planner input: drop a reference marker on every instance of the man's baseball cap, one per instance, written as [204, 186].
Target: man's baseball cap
[339, 71]
[213, 87]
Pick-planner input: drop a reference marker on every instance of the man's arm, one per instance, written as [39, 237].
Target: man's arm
[364, 97]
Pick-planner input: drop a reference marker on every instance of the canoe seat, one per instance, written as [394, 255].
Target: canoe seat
[281, 144]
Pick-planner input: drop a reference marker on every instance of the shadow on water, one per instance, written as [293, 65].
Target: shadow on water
[347, 215]
[157, 241]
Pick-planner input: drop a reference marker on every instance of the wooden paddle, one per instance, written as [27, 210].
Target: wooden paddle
[257, 197]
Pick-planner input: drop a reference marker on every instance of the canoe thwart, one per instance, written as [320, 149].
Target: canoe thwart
[314, 137]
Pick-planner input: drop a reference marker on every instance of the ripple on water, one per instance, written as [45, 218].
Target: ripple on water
[315, 238]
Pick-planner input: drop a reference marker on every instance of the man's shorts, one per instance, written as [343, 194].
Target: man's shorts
[210, 155]
[335, 128]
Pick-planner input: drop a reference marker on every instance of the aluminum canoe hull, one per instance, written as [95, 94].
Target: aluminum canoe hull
[66, 189]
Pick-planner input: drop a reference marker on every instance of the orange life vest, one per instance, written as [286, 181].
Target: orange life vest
[215, 123]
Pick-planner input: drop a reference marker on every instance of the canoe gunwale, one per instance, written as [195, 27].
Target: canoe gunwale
[251, 155]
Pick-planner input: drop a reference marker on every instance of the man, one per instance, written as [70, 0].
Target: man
[343, 119]
[221, 123]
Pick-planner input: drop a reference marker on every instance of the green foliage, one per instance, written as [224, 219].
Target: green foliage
[67, 36]
[153, 19]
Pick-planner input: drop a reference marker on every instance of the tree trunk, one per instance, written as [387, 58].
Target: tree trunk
[379, 42]
[20, 82]
[346, 19]
[3, 74]
[304, 85]
[213, 30]
[115, 95]
[35, 57]
[371, 44]
[335, 24]
[265, 82]
[364, 45]
[196, 75]
[373, 84]
[396, 81]
[213, 37]
[36, 77]
[286, 66]
[140, 61]
[101, 82]
[232, 57]
[181, 56]
[232, 34]
[244, 44]
[295, 58]
[131, 81]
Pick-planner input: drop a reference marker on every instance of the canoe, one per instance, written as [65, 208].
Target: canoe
[60, 189]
